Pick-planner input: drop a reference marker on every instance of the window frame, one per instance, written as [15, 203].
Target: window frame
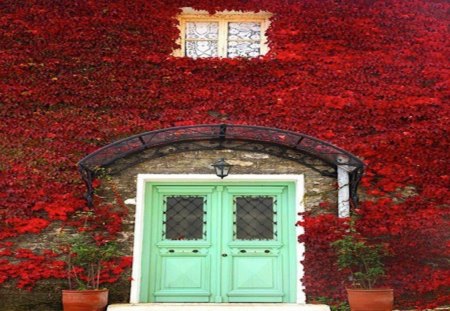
[223, 18]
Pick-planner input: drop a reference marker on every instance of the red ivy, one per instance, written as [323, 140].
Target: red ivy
[368, 75]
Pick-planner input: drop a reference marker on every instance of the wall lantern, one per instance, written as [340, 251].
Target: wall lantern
[222, 168]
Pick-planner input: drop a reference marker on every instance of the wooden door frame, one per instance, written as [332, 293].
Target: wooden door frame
[143, 179]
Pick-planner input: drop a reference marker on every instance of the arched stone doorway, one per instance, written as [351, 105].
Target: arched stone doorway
[163, 170]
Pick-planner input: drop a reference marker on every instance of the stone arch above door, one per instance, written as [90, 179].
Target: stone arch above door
[318, 156]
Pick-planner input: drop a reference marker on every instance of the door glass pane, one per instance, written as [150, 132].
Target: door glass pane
[184, 218]
[254, 218]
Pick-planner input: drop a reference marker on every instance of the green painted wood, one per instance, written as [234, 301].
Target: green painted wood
[219, 267]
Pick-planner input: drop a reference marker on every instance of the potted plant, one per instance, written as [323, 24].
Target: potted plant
[86, 259]
[364, 262]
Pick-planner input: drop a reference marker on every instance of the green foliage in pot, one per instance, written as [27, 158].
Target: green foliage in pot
[364, 261]
[86, 253]
[86, 258]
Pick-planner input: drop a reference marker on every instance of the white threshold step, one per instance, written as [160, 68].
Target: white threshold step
[216, 306]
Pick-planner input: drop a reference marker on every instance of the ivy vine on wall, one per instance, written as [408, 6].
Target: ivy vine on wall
[370, 76]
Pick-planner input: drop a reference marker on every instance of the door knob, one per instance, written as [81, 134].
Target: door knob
[224, 255]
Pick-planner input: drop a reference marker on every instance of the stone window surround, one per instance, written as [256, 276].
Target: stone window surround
[190, 14]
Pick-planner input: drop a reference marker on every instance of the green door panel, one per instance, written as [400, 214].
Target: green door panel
[255, 271]
[219, 242]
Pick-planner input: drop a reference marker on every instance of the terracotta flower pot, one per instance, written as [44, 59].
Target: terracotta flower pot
[371, 299]
[85, 300]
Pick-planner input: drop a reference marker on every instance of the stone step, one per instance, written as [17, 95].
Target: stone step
[217, 307]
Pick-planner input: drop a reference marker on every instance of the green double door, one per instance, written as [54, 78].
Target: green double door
[219, 243]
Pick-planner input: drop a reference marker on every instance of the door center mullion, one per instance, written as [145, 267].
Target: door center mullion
[218, 247]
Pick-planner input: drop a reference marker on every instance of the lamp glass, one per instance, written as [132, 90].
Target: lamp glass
[222, 168]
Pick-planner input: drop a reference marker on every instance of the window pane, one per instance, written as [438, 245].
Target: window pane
[243, 49]
[202, 30]
[201, 49]
[254, 218]
[244, 31]
[183, 218]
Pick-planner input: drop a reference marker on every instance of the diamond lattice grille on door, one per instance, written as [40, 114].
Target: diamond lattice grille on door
[255, 218]
[184, 218]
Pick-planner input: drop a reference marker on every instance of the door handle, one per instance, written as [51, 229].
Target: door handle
[224, 255]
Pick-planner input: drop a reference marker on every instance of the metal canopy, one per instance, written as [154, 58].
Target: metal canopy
[316, 154]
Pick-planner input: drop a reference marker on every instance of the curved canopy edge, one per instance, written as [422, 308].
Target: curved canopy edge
[220, 134]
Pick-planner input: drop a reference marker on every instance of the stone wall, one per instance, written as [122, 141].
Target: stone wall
[318, 188]
[47, 294]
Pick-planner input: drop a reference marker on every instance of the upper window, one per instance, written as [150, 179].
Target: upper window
[224, 34]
